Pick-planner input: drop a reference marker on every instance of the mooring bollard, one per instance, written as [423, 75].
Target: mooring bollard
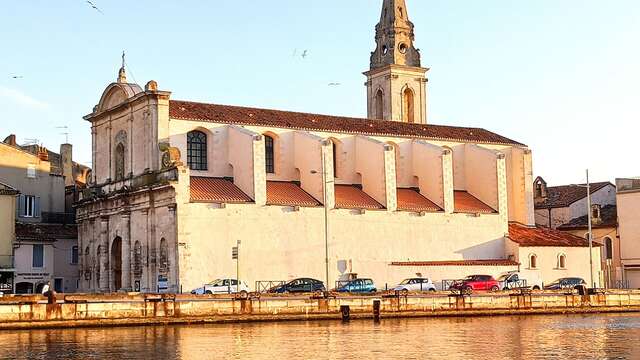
[345, 311]
[376, 310]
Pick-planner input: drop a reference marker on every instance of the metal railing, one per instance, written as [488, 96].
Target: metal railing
[265, 286]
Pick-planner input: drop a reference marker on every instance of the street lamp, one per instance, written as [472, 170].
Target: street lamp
[590, 233]
[325, 182]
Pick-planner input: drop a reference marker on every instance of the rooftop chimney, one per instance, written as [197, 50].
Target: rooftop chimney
[66, 164]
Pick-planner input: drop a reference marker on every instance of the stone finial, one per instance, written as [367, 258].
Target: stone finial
[151, 86]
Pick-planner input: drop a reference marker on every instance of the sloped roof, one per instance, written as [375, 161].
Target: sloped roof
[467, 203]
[351, 197]
[226, 114]
[8, 190]
[481, 262]
[412, 200]
[45, 232]
[565, 195]
[216, 190]
[288, 194]
[534, 236]
[608, 215]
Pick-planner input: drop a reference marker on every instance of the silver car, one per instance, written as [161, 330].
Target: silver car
[416, 284]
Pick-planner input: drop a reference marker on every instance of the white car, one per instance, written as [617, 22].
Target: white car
[222, 286]
[416, 284]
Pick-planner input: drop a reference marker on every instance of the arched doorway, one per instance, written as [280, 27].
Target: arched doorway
[116, 263]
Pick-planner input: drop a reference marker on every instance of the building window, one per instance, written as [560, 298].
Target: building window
[562, 261]
[29, 206]
[407, 105]
[197, 150]
[119, 162]
[74, 255]
[137, 259]
[533, 261]
[379, 104]
[538, 190]
[164, 256]
[31, 171]
[334, 152]
[98, 264]
[608, 248]
[38, 256]
[269, 156]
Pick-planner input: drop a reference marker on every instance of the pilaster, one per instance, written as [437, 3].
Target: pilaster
[447, 180]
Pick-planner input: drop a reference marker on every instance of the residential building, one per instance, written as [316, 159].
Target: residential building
[45, 230]
[564, 208]
[7, 236]
[176, 184]
[628, 200]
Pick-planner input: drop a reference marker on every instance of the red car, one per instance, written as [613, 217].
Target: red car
[476, 282]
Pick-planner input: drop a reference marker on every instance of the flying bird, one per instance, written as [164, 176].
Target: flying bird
[335, 84]
[305, 54]
[17, 76]
[94, 6]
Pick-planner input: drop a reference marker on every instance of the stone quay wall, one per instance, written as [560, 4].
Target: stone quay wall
[20, 312]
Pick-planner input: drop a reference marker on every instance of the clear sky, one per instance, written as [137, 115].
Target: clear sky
[561, 76]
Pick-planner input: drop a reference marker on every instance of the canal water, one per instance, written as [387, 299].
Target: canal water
[486, 338]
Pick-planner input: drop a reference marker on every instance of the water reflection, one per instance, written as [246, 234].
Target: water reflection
[538, 337]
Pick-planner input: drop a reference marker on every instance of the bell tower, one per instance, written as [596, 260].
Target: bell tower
[396, 83]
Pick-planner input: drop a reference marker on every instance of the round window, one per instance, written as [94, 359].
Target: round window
[403, 48]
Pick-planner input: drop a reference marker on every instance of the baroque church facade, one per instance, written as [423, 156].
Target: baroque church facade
[176, 184]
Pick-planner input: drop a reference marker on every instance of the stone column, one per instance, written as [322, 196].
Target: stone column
[172, 247]
[104, 259]
[126, 252]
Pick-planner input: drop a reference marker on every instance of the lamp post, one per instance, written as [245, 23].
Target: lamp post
[589, 227]
[326, 220]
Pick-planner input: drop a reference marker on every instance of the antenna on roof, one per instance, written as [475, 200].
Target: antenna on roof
[31, 142]
[66, 133]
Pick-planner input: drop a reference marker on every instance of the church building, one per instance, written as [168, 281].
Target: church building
[177, 184]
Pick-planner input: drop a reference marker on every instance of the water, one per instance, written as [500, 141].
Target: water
[487, 338]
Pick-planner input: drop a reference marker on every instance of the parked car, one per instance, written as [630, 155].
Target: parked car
[300, 285]
[516, 280]
[566, 283]
[221, 286]
[476, 282]
[416, 284]
[358, 286]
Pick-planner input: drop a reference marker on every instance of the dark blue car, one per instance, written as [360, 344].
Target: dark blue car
[358, 286]
[302, 285]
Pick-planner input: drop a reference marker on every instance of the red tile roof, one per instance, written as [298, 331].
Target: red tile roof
[412, 200]
[45, 232]
[490, 262]
[216, 190]
[608, 218]
[565, 195]
[186, 110]
[288, 194]
[351, 197]
[529, 236]
[467, 203]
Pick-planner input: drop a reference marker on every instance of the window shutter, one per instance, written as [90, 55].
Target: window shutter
[36, 207]
[20, 206]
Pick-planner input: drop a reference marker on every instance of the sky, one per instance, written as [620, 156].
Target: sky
[560, 76]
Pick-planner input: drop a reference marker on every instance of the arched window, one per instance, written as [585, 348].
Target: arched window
[407, 105]
[119, 161]
[538, 190]
[197, 150]
[562, 261]
[533, 261]
[164, 256]
[87, 253]
[608, 248]
[269, 155]
[379, 104]
[98, 264]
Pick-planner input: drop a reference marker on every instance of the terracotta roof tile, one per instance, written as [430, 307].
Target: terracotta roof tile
[529, 236]
[217, 190]
[289, 194]
[490, 262]
[467, 203]
[412, 200]
[351, 197]
[186, 110]
[45, 232]
[608, 218]
[565, 195]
